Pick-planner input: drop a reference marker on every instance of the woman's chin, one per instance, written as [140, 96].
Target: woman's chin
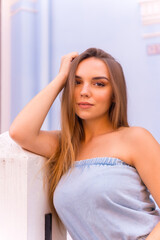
[86, 117]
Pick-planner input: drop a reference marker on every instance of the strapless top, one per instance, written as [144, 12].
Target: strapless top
[104, 198]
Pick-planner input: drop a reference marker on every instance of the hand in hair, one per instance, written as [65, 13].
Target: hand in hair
[26, 127]
[66, 63]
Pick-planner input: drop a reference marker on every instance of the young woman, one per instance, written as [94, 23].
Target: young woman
[101, 171]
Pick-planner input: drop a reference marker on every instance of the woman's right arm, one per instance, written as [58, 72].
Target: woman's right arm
[25, 129]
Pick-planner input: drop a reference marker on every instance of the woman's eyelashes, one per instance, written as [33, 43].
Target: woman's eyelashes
[95, 83]
[99, 84]
[77, 82]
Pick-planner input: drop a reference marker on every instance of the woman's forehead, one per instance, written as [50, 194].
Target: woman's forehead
[93, 66]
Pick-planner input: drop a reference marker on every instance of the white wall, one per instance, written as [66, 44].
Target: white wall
[23, 200]
[5, 66]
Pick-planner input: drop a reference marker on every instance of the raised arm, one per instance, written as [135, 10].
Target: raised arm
[25, 129]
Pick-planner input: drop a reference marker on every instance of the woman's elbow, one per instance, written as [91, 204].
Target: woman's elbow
[15, 134]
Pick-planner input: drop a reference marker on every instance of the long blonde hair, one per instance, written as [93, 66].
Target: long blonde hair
[72, 132]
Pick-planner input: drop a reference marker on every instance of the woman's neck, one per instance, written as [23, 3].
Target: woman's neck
[96, 127]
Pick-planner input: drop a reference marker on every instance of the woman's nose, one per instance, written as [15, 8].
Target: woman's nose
[85, 90]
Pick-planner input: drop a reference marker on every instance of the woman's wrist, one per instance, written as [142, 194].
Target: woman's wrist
[59, 81]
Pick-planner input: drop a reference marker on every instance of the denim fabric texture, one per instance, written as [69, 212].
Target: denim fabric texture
[104, 198]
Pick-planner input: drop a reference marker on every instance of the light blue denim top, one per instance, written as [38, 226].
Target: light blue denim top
[104, 198]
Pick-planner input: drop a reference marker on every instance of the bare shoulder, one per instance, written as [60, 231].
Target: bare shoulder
[138, 137]
[141, 143]
[138, 134]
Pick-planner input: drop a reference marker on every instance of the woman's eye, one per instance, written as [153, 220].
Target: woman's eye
[77, 82]
[99, 84]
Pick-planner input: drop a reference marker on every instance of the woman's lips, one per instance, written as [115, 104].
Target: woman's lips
[85, 105]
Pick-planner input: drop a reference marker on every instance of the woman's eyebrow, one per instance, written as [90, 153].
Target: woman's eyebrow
[94, 78]
[76, 76]
[100, 77]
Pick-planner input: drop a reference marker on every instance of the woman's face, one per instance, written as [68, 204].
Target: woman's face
[93, 91]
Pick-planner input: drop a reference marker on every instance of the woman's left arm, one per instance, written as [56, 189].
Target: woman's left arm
[146, 159]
